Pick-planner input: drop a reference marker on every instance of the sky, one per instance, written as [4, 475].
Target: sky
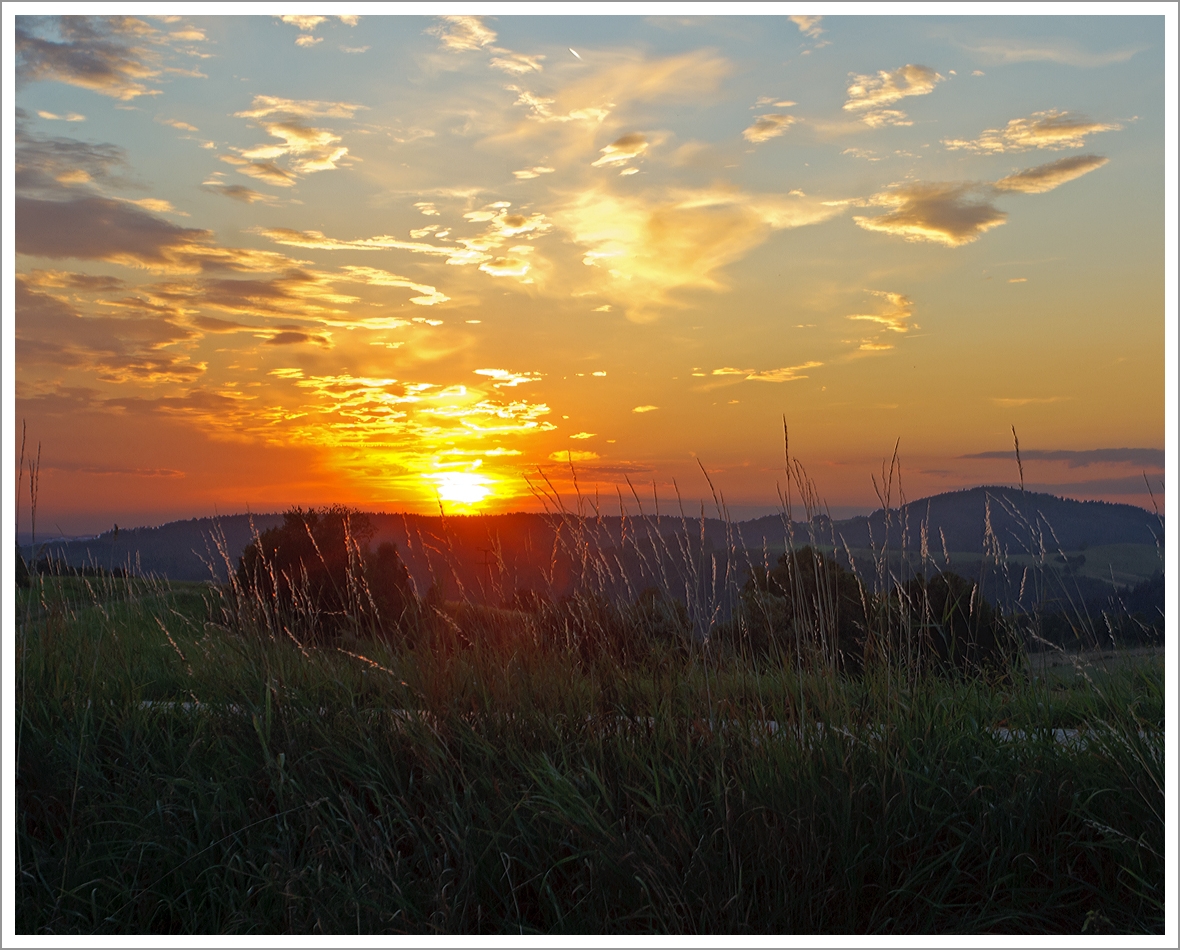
[471, 262]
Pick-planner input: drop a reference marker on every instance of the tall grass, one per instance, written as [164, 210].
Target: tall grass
[198, 759]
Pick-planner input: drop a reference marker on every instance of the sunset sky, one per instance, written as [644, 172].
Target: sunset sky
[399, 262]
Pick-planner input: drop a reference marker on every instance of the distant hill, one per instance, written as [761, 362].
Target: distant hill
[489, 557]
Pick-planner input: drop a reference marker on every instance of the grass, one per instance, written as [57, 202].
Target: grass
[465, 782]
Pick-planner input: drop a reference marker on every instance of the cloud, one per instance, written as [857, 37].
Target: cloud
[808, 25]
[1140, 458]
[308, 40]
[642, 409]
[462, 33]
[622, 150]
[50, 166]
[572, 455]
[534, 172]
[785, 374]
[239, 193]
[68, 117]
[1050, 130]
[307, 149]
[305, 23]
[268, 172]
[428, 296]
[950, 213]
[178, 124]
[89, 227]
[869, 95]
[1052, 51]
[648, 245]
[768, 126]
[51, 331]
[106, 55]
[501, 226]
[264, 106]
[583, 435]
[505, 379]
[291, 337]
[1046, 177]
[318, 241]
[895, 316]
[619, 80]
[1015, 402]
[518, 64]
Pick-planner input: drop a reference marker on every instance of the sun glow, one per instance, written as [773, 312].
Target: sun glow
[462, 488]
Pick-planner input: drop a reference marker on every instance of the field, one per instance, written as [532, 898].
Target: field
[183, 770]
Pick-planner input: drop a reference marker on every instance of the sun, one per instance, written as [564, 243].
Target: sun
[462, 488]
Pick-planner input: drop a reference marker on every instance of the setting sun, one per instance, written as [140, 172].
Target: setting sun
[462, 488]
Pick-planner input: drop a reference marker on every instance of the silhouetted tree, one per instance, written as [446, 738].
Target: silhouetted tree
[317, 565]
[806, 604]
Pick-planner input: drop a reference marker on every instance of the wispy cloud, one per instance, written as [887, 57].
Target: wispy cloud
[1046, 177]
[535, 172]
[306, 148]
[894, 316]
[784, 374]
[1068, 53]
[645, 246]
[1048, 130]
[462, 33]
[868, 96]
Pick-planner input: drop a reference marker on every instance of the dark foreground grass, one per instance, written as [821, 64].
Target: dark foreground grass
[541, 790]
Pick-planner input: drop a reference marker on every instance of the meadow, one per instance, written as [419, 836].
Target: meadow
[239, 758]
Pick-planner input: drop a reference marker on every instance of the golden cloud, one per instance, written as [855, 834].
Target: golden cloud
[1042, 178]
[106, 55]
[944, 213]
[646, 246]
[768, 126]
[785, 374]
[622, 150]
[894, 317]
[869, 95]
[462, 33]
[1049, 130]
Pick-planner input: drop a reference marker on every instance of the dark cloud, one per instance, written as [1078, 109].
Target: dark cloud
[51, 331]
[951, 213]
[102, 229]
[88, 227]
[52, 166]
[94, 283]
[239, 193]
[1144, 458]
[107, 55]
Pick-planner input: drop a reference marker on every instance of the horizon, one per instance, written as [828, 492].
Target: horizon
[434, 263]
[739, 515]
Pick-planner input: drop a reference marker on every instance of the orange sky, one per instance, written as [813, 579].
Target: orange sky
[399, 262]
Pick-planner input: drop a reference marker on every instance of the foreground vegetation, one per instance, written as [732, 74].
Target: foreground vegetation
[191, 760]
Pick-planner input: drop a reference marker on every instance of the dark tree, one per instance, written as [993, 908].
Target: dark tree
[317, 566]
[807, 602]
